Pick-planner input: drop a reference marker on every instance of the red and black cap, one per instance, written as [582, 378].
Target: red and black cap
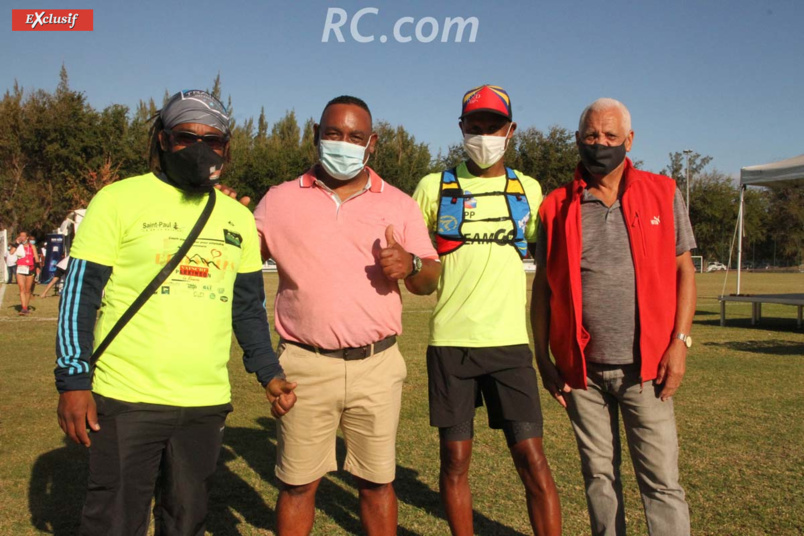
[486, 98]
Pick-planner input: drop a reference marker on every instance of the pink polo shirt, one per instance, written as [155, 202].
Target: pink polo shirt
[332, 291]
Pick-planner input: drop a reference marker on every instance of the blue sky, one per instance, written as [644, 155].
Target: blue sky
[721, 77]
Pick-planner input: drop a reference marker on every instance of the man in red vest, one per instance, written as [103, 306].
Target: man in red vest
[614, 296]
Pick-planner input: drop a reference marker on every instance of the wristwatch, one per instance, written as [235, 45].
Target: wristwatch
[417, 265]
[686, 339]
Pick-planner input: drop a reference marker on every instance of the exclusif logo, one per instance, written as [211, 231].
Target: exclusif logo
[51, 20]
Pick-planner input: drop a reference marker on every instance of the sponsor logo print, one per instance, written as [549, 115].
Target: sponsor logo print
[160, 226]
[447, 224]
[194, 271]
[655, 220]
[523, 223]
[52, 20]
[469, 202]
[233, 238]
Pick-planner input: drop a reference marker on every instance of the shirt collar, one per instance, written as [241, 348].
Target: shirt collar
[579, 184]
[374, 185]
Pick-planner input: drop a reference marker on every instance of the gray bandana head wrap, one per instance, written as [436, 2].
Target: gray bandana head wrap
[195, 106]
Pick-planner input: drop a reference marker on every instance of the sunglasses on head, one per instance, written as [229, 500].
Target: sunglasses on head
[184, 138]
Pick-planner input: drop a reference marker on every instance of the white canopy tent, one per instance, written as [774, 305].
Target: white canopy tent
[772, 174]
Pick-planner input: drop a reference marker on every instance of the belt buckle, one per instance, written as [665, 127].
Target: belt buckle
[355, 354]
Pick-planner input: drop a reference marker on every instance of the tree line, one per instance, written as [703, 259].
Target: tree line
[57, 151]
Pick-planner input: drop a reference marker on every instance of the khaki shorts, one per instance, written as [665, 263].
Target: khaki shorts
[362, 397]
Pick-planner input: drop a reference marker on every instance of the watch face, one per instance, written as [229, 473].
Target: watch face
[688, 341]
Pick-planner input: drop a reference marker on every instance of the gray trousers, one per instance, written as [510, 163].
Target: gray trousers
[650, 429]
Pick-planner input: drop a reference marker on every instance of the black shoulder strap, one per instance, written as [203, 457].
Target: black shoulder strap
[158, 280]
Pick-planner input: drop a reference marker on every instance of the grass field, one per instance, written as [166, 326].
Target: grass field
[739, 417]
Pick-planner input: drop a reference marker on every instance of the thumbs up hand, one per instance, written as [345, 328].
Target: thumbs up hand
[395, 261]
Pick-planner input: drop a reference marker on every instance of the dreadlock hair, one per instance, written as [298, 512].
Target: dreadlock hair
[154, 147]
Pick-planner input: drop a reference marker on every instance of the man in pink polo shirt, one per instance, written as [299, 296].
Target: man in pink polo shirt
[342, 239]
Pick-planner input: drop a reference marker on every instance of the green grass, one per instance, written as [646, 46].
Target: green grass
[739, 417]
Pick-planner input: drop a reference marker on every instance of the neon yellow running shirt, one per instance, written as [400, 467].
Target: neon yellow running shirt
[481, 292]
[175, 349]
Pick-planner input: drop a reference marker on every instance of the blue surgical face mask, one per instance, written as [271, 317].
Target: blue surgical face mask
[342, 160]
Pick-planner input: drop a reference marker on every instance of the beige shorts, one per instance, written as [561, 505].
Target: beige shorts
[362, 397]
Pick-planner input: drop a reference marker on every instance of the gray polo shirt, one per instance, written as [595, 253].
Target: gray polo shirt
[608, 280]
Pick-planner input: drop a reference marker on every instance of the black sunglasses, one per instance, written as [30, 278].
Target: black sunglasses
[184, 138]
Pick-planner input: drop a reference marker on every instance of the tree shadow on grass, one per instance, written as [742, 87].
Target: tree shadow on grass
[59, 478]
[411, 490]
[57, 489]
[775, 324]
[257, 447]
[775, 347]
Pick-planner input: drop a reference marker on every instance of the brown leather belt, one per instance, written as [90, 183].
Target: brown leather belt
[349, 354]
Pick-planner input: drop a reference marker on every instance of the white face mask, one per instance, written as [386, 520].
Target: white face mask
[342, 160]
[485, 151]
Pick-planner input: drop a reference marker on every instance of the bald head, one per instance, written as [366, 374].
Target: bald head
[606, 104]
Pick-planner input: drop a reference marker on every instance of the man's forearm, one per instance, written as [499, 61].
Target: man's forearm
[686, 293]
[540, 314]
[426, 281]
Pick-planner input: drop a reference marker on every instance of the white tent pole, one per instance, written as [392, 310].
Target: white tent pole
[740, 239]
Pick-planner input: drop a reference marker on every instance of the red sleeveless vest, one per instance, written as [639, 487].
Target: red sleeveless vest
[647, 204]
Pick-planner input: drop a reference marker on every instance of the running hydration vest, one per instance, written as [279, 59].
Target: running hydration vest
[450, 236]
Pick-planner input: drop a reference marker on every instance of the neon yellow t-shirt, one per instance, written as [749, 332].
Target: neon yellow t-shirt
[481, 293]
[175, 349]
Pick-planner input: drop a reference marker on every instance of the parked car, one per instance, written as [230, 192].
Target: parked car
[715, 267]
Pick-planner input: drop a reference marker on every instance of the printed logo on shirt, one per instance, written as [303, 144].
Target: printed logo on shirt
[193, 271]
[469, 202]
[165, 289]
[655, 220]
[447, 224]
[232, 238]
[161, 226]
[523, 223]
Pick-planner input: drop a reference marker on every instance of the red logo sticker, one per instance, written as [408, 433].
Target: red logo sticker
[51, 20]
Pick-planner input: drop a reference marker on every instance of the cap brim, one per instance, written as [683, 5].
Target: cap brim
[488, 110]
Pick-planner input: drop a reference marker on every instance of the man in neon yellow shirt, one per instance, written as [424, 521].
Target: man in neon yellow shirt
[484, 218]
[159, 395]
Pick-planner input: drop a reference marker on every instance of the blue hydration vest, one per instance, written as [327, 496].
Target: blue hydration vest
[449, 235]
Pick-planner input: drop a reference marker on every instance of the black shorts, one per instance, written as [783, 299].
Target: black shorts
[461, 379]
[59, 272]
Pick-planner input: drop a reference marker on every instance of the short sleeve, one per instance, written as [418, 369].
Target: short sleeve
[533, 192]
[250, 261]
[261, 222]
[426, 196]
[685, 240]
[100, 232]
[417, 238]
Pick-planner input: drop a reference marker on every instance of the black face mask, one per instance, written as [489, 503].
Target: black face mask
[601, 159]
[190, 169]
